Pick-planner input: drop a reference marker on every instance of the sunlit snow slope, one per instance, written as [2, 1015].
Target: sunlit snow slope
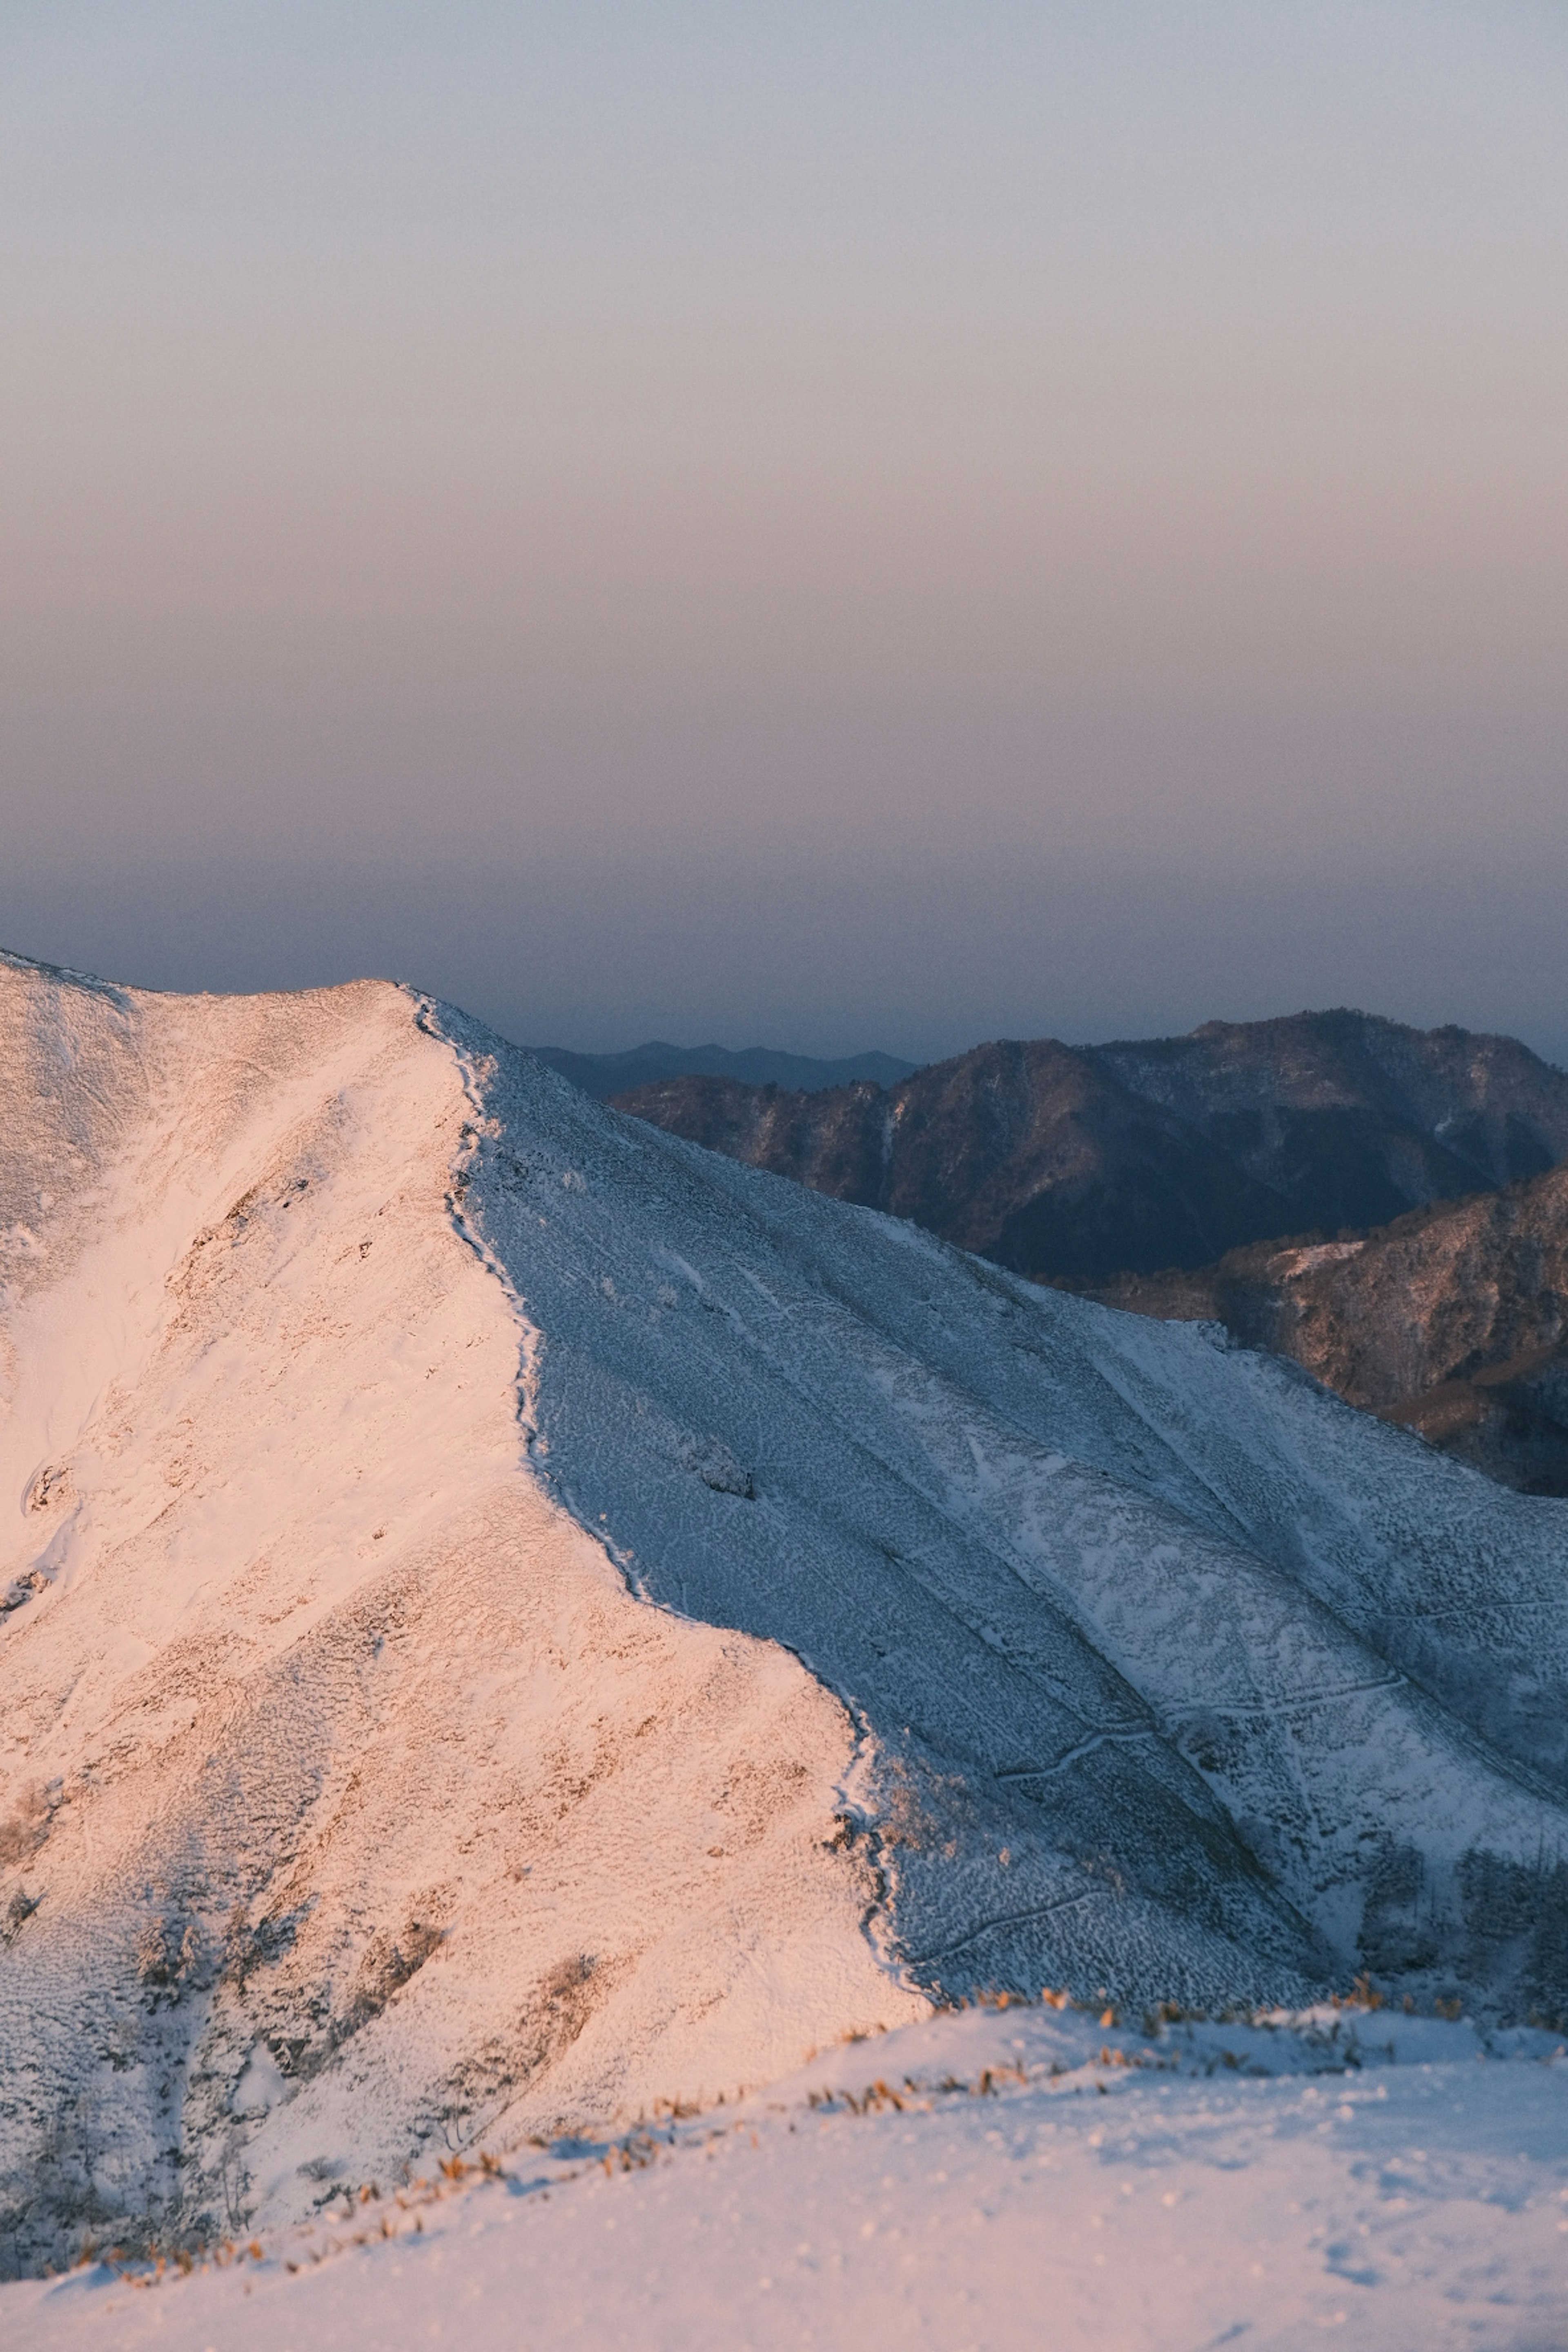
[1006, 2179]
[365, 1384]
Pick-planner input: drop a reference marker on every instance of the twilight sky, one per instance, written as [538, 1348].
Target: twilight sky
[826, 525]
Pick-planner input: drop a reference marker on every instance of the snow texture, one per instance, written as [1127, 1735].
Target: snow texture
[1359, 2181]
[510, 1617]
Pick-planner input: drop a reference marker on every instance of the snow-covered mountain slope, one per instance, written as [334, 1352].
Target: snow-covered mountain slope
[365, 1383]
[960, 2183]
[349, 1795]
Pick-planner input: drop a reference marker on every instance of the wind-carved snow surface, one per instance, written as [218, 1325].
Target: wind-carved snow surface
[510, 1617]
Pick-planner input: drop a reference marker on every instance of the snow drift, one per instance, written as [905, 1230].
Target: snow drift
[509, 1617]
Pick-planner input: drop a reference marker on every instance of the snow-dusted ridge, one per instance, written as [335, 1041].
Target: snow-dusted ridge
[365, 1384]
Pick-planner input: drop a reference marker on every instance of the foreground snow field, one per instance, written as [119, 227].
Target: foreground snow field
[1363, 2181]
[507, 1618]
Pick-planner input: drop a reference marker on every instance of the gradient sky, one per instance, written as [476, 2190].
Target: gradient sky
[823, 524]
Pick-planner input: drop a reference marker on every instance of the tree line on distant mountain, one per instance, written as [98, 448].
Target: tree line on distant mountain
[1164, 1176]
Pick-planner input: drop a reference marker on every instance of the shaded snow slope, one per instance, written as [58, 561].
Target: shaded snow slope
[1167, 1655]
[962, 2183]
[363, 1384]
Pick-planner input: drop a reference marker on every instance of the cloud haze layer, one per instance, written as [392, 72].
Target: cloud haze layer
[834, 524]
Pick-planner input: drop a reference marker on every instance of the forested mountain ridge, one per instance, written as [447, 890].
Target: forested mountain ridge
[1078, 1163]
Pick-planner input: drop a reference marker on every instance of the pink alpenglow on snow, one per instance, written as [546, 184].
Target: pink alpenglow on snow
[514, 1629]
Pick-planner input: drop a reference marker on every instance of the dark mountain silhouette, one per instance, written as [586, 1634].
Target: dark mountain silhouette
[1454, 1319]
[1072, 1164]
[604, 1074]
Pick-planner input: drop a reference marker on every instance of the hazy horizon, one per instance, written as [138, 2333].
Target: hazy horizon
[832, 527]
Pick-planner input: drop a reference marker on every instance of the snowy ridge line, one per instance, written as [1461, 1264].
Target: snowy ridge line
[384, 1381]
[858, 1810]
[797, 1260]
[529, 1340]
[382, 1818]
[122, 999]
[876, 1921]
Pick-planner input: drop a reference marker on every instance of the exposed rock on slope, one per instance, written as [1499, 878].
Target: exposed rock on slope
[365, 1384]
[1076, 1163]
[1453, 1320]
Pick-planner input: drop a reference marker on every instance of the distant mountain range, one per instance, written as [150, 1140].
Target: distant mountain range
[1076, 1163]
[1162, 1175]
[604, 1074]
